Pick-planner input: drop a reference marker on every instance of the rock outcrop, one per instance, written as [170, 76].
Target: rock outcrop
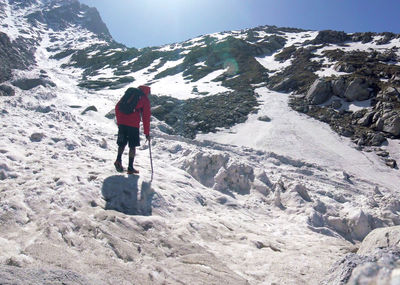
[357, 90]
[6, 90]
[320, 92]
[376, 261]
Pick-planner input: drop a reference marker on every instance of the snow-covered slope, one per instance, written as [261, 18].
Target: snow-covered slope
[276, 199]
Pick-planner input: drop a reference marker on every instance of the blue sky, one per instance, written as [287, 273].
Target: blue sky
[143, 23]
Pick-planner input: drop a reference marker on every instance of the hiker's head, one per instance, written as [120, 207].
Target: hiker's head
[145, 89]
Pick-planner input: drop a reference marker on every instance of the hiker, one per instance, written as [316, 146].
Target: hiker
[129, 123]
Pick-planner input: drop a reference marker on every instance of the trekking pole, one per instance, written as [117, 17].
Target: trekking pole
[151, 161]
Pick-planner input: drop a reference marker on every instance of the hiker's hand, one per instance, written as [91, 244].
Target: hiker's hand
[148, 138]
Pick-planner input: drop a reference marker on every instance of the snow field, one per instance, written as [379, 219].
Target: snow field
[260, 203]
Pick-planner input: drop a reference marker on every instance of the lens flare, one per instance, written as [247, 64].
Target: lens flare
[231, 66]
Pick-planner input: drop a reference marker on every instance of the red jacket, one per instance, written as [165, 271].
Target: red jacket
[142, 110]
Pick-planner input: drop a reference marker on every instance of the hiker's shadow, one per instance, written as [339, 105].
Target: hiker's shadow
[121, 194]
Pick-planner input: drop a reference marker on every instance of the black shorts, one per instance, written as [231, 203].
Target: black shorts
[127, 134]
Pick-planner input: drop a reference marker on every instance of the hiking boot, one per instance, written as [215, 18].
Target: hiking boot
[118, 166]
[132, 170]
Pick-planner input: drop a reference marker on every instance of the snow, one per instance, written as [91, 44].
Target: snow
[300, 38]
[359, 46]
[295, 135]
[275, 66]
[170, 64]
[260, 203]
[271, 64]
[104, 74]
[329, 71]
[176, 86]
[12, 23]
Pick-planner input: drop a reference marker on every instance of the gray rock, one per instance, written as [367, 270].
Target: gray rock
[391, 162]
[344, 67]
[336, 104]
[159, 111]
[319, 206]
[333, 37]
[339, 87]
[378, 267]
[376, 139]
[363, 37]
[36, 137]
[319, 92]
[6, 90]
[286, 85]
[392, 91]
[392, 125]
[357, 90]
[110, 115]
[376, 261]
[380, 238]
[90, 108]
[103, 144]
[379, 124]
[366, 120]
[346, 132]
[42, 109]
[14, 55]
[264, 119]
[30, 83]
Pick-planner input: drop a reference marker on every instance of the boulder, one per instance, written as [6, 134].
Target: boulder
[90, 108]
[392, 125]
[363, 37]
[391, 162]
[110, 115]
[286, 85]
[159, 112]
[380, 238]
[336, 104]
[264, 119]
[331, 37]
[375, 139]
[319, 92]
[30, 83]
[344, 67]
[6, 90]
[379, 124]
[379, 266]
[358, 90]
[366, 120]
[392, 94]
[339, 87]
[36, 137]
[386, 38]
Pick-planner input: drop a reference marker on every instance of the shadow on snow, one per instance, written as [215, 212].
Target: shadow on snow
[123, 194]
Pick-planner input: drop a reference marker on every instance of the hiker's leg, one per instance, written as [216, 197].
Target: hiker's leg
[120, 152]
[132, 153]
[122, 141]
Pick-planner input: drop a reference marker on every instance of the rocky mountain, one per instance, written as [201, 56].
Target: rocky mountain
[275, 154]
[326, 71]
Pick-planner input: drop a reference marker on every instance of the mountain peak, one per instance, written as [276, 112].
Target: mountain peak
[61, 14]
